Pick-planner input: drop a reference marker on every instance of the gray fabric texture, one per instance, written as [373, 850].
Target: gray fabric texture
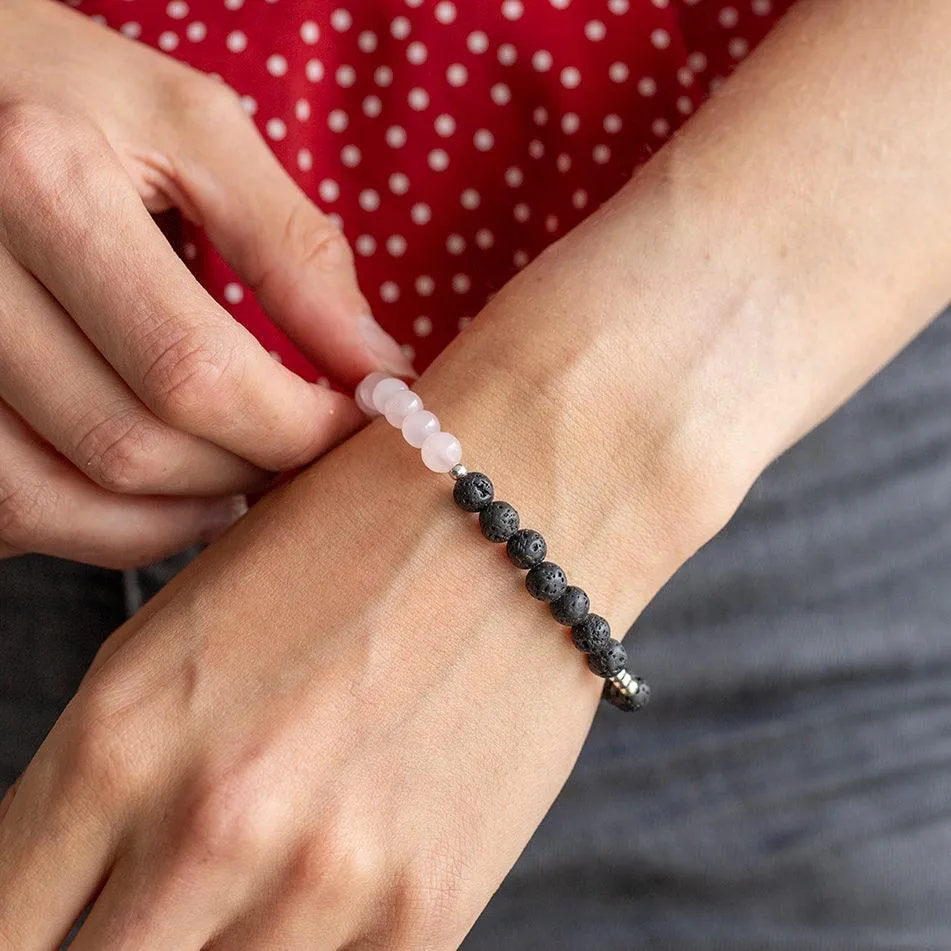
[790, 787]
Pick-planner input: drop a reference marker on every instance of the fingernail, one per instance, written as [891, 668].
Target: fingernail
[222, 516]
[384, 349]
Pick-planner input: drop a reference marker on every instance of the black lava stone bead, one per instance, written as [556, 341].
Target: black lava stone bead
[571, 607]
[591, 634]
[526, 548]
[546, 581]
[609, 660]
[473, 492]
[498, 521]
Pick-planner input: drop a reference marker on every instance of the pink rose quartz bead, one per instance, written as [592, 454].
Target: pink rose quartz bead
[418, 427]
[386, 388]
[400, 405]
[441, 452]
[364, 393]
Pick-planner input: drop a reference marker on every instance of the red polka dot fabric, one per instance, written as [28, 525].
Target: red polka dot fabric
[452, 141]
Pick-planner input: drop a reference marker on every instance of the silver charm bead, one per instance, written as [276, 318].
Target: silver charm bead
[458, 471]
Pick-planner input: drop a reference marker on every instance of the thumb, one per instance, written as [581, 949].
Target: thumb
[291, 255]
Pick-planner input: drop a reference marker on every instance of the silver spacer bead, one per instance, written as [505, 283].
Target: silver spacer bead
[625, 683]
[458, 471]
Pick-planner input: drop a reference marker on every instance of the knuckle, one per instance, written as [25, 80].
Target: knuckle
[121, 452]
[186, 374]
[200, 102]
[334, 866]
[24, 513]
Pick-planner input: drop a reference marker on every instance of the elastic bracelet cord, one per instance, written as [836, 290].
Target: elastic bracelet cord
[379, 394]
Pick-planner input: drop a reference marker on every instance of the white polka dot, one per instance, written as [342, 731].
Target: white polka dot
[132, 30]
[335, 220]
[563, 162]
[560, 4]
[536, 148]
[249, 104]
[177, 9]
[612, 123]
[507, 54]
[367, 41]
[484, 238]
[196, 31]
[716, 84]
[738, 47]
[660, 38]
[305, 160]
[457, 75]
[685, 76]
[601, 154]
[314, 70]
[619, 7]
[501, 94]
[190, 251]
[369, 199]
[570, 77]
[463, 323]
[595, 30]
[309, 32]
[338, 120]
[570, 123]
[697, 62]
[470, 199]
[396, 245]
[521, 212]
[396, 137]
[234, 4]
[512, 9]
[422, 326]
[762, 8]
[341, 20]
[372, 106]
[389, 291]
[438, 160]
[365, 245]
[400, 27]
[421, 213]
[350, 156]
[399, 183]
[455, 244]
[418, 98]
[168, 41]
[424, 285]
[409, 350]
[514, 177]
[413, 3]
[540, 115]
[618, 72]
[346, 76]
[520, 258]
[477, 41]
[661, 4]
[483, 140]
[416, 53]
[277, 358]
[302, 110]
[660, 127]
[328, 190]
[276, 129]
[234, 293]
[542, 60]
[383, 76]
[551, 223]
[461, 283]
[444, 125]
[321, 380]
[579, 199]
[445, 11]
[647, 86]
[728, 17]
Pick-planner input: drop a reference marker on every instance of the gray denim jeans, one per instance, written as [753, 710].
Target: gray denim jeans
[789, 789]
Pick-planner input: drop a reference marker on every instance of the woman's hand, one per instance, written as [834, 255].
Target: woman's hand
[120, 377]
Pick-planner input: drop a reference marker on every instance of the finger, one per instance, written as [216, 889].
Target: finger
[72, 217]
[48, 506]
[63, 388]
[293, 257]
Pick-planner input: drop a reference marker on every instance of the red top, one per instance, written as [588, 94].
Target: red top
[452, 140]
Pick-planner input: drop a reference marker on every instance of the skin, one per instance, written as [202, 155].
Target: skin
[136, 407]
[265, 757]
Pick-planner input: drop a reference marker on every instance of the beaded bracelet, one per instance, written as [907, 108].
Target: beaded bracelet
[473, 492]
